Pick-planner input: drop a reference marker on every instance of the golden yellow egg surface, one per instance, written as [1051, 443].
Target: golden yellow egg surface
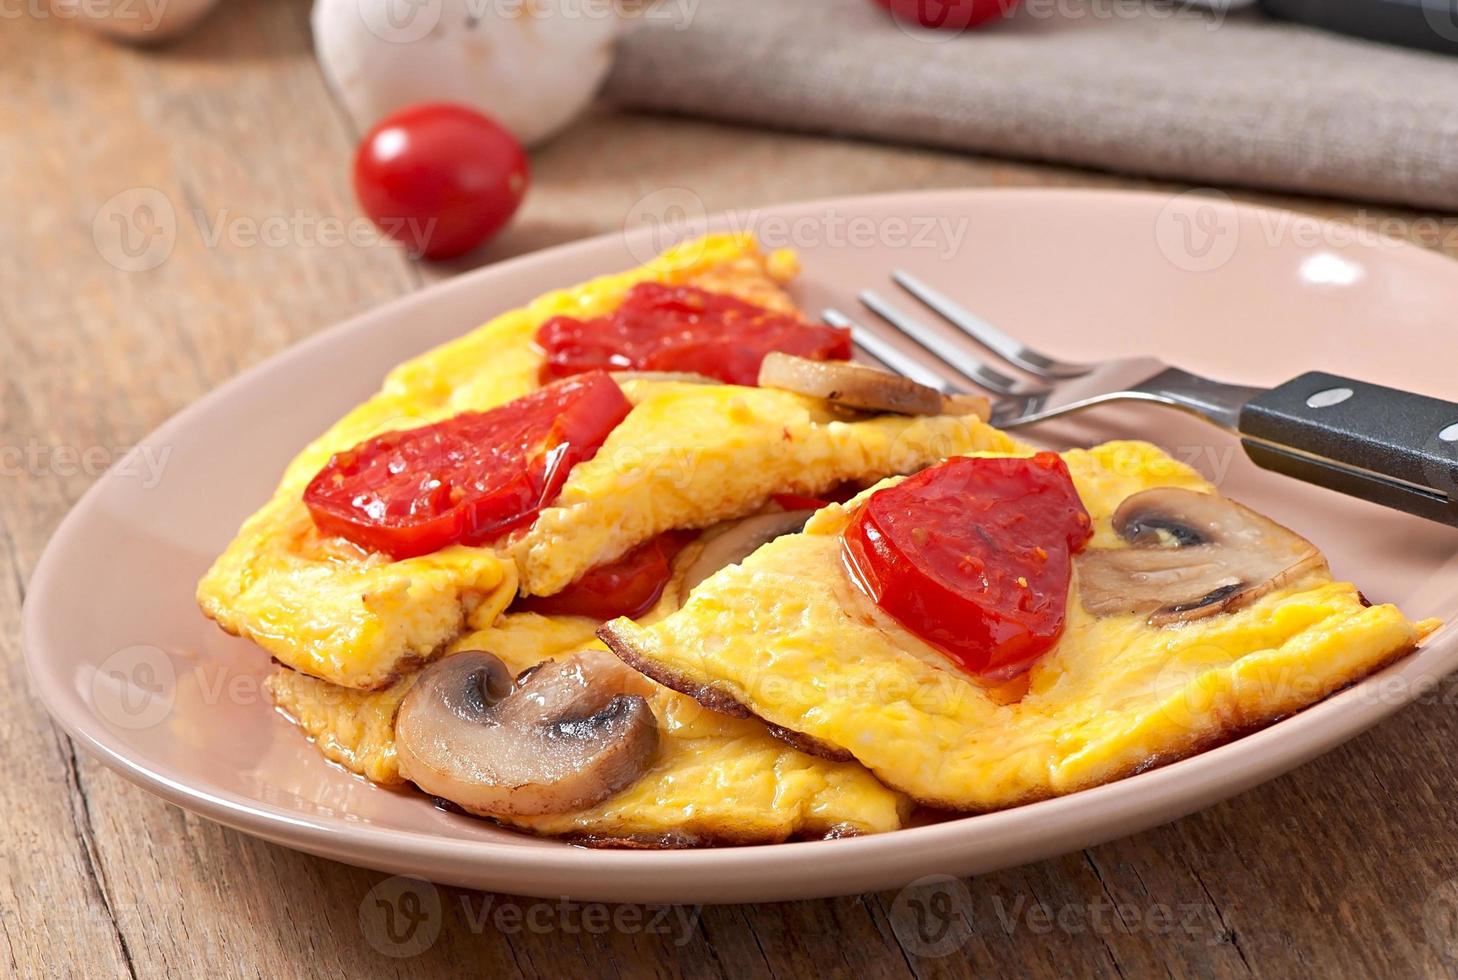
[789, 636]
[687, 456]
[713, 779]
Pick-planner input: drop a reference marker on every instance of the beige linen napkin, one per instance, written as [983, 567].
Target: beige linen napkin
[1163, 91]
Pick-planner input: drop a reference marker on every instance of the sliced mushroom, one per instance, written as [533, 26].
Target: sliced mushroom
[1191, 555]
[850, 385]
[737, 542]
[565, 735]
[963, 404]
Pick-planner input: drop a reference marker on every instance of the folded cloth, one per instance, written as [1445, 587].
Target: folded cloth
[1160, 90]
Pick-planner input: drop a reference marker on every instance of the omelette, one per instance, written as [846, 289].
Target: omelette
[791, 636]
[976, 626]
[686, 455]
[712, 779]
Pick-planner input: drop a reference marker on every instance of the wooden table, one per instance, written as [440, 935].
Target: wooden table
[1348, 866]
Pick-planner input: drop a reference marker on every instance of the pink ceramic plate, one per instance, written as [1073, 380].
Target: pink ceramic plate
[126, 663]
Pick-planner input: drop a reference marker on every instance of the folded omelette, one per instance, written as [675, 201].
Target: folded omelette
[788, 637]
[687, 455]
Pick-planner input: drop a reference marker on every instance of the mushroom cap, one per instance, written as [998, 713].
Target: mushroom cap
[533, 70]
[1191, 555]
[564, 735]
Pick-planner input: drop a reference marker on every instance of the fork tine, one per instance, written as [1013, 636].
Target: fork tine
[966, 365]
[889, 355]
[1008, 348]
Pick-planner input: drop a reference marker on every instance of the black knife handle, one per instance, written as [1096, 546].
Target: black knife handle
[1392, 447]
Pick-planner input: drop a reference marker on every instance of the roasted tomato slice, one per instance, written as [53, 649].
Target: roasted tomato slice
[974, 556]
[630, 586]
[681, 328]
[468, 479]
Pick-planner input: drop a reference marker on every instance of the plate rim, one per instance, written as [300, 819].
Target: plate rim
[1183, 786]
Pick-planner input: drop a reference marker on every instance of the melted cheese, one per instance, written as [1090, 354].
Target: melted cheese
[787, 635]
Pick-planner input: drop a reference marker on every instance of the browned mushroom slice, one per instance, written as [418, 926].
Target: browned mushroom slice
[737, 542]
[850, 385]
[963, 404]
[1191, 555]
[565, 735]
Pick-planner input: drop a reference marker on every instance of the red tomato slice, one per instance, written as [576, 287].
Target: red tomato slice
[630, 586]
[974, 556]
[680, 328]
[468, 479]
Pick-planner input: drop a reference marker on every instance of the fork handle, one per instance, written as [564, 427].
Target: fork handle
[1391, 447]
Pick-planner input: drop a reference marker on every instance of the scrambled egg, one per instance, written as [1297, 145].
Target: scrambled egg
[714, 779]
[786, 636]
[686, 456]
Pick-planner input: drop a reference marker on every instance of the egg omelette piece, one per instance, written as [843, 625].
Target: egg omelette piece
[359, 619]
[327, 607]
[787, 637]
[714, 779]
[692, 455]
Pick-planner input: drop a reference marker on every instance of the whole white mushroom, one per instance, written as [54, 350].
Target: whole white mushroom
[533, 65]
[138, 21]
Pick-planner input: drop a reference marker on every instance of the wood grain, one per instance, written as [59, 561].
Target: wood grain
[1345, 867]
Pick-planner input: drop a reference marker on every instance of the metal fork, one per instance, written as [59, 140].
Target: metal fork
[1392, 447]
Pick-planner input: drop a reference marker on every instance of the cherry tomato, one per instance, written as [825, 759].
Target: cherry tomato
[468, 479]
[440, 178]
[951, 15]
[681, 328]
[630, 586]
[974, 556]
